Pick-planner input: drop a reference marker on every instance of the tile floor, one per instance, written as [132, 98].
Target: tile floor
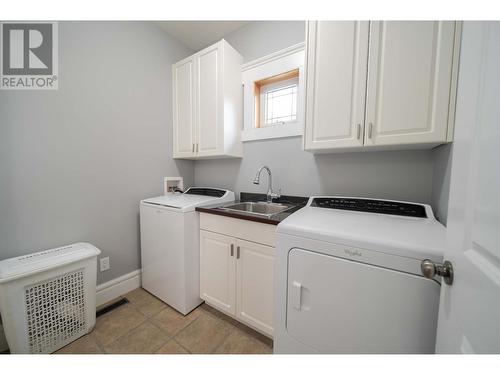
[146, 325]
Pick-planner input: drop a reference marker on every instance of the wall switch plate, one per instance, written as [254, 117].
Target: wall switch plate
[104, 264]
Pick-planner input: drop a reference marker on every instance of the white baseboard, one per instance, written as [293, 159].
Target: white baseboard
[118, 287]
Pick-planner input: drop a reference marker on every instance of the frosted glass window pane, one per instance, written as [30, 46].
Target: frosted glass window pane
[281, 105]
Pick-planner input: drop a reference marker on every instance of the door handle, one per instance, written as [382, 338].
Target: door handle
[370, 127]
[232, 250]
[193, 148]
[359, 131]
[197, 147]
[430, 269]
[237, 252]
[296, 295]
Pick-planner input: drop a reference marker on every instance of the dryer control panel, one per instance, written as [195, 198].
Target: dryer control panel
[371, 205]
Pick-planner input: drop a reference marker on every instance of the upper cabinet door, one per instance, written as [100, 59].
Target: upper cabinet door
[336, 84]
[209, 101]
[409, 82]
[183, 108]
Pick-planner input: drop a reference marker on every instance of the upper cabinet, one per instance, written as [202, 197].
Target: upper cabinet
[380, 85]
[207, 104]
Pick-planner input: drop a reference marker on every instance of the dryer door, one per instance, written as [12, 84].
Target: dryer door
[340, 306]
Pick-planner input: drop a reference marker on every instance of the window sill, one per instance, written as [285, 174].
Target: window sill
[276, 131]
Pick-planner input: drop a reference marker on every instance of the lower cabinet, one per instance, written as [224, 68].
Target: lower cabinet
[236, 277]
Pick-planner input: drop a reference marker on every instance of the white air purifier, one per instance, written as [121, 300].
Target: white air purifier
[47, 299]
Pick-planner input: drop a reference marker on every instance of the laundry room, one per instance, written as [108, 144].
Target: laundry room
[268, 184]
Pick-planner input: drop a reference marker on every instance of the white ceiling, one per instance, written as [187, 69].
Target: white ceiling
[199, 34]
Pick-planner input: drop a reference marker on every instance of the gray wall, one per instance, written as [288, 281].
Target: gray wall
[391, 174]
[442, 156]
[75, 162]
[396, 175]
[260, 38]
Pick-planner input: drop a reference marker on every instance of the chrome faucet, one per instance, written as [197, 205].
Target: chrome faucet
[270, 194]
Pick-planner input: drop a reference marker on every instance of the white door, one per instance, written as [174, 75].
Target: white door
[183, 108]
[209, 104]
[254, 285]
[337, 54]
[470, 307]
[409, 79]
[217, 270]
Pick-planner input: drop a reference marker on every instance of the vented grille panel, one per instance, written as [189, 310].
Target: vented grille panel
[46, 252]
[55, 311]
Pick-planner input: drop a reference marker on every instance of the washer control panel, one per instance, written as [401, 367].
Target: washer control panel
[371, 205]
[211, 192]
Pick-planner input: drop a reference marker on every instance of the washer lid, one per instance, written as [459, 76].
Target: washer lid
[191, 199]
[413, 237]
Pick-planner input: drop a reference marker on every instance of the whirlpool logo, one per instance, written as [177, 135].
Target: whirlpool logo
[353, 253]
[28, 55]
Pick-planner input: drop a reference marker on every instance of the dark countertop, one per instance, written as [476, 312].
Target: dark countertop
[275, 219]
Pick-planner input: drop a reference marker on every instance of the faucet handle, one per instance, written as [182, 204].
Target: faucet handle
[276, 195]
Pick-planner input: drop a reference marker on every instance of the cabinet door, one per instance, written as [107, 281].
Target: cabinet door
[183, 108]
[254, 285]
[210, 124]
[409, 79]
[337, 57]
[217, 270]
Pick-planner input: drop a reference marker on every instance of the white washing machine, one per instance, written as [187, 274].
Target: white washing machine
[348, 277]
[170, 231]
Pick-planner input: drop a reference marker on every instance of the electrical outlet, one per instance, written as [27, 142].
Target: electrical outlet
[104, 262]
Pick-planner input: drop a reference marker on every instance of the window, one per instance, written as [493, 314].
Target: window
[276, 99]
[273, 95]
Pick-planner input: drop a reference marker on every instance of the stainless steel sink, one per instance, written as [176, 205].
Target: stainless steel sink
[258, 208]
